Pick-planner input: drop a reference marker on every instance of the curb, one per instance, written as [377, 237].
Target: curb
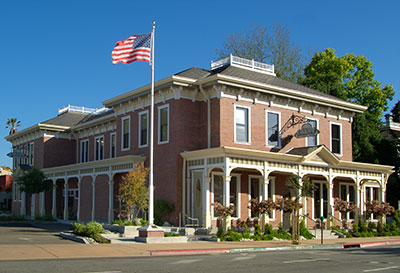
[371, 244]
[237, 250]
[189, 252]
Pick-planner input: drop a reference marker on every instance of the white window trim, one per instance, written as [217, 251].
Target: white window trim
[82, 150]
[140, 128]
[260, 192]
[279, 128]
[347, 196]
[31, 153]
[122, 133]
[159, 124]
[321, 194]
[95, 141]
[248, 126]
[341, 137]
[306, 139]
[115, 136]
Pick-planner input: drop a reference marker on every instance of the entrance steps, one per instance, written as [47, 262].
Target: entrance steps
[327, 233]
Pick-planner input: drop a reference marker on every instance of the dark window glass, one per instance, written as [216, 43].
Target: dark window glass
[273, 129]
[335, 138]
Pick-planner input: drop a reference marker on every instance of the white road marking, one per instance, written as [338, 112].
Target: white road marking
[381, 269]
[242, 258]
[26, 239]
[306, 261]
[103, 272]
[187, 261]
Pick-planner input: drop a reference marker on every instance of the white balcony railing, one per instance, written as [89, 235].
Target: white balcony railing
[81, 109]
[244, 63]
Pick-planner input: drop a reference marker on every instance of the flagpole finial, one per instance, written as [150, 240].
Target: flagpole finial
[154, 23]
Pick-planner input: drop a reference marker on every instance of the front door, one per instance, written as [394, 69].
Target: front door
[197, 204]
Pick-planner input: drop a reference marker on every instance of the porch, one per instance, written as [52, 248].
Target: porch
[233, 176]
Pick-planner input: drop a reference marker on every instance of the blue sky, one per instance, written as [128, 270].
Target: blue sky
[55, 53]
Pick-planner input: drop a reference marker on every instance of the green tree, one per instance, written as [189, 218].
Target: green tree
[396, 112]
[351, 78]
[34, 181]
[133, 192]
[271, 45]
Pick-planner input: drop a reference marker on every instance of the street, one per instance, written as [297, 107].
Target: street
[21, 233]
[382, 259]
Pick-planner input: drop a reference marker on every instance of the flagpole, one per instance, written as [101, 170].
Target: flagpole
[151, 185]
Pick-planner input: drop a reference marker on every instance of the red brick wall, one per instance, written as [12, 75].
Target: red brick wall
[86, 198]
[101, 198]
[58, 152]
[258, 130]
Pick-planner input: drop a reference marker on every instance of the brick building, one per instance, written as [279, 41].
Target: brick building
[227, 135]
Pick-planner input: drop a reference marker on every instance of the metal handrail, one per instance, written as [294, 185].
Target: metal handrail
[195, 221]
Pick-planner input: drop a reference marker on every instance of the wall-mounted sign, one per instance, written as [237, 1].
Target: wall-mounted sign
[16, 154]
[306, 131]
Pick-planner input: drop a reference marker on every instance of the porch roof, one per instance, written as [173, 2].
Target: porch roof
[299, 156]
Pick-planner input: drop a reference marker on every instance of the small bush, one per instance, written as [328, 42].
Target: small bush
[161, 209]
[44, 218]
[9, 218]
[233, 236]
[305, 232]
[92, 230]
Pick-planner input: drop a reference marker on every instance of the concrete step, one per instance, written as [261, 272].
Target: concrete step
[328, 234]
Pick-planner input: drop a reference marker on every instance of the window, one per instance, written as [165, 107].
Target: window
[312, 140]
[26, 151]
[271, 195]
[347, 193]
[112, 145]
[336, 136]
[242, 121]
[320, 200]
[254, 192]
[217, 189]
[126, 136]
[371, 194]
[273, 128]
[143, 125]
[234, 191]
[84, 151]
[163, 124]
[99, 148]
[31, 153]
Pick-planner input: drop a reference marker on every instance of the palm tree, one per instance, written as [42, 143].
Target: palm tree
[12, 123]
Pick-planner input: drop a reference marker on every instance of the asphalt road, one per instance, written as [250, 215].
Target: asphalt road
[32, 233]
[385, 260]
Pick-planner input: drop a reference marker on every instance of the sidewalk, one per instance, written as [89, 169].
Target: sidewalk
[68, 251]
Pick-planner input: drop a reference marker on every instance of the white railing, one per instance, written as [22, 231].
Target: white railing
[245, 63]
[81, 109]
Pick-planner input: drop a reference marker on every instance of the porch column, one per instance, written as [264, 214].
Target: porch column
[42, 209]
[206, 202]
[358, 197]
[110, 200]
[78, 213]
[265, 188]
[53, 201]
[65, 198]
[93, 197]
[330, 204]
[383, 188]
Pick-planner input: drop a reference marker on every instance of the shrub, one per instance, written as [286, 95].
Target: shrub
[92, 230]
[233, 236]
[44, 218]
[305, 232]
[161, 209]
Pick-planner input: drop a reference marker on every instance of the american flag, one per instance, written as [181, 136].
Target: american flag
[135, 48]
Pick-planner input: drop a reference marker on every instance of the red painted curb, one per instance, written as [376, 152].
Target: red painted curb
[188, 251]
[370, 244]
